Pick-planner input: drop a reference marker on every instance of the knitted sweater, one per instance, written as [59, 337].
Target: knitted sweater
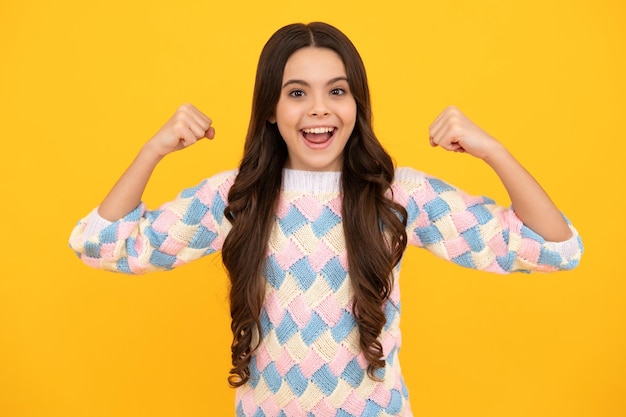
[309, 361]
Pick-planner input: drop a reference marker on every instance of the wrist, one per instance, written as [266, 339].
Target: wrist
[150, 153]
[497, 154]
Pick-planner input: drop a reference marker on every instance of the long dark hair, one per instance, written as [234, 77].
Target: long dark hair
[369, 213]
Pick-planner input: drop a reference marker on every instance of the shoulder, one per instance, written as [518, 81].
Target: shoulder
[409, 179]
[209, 188]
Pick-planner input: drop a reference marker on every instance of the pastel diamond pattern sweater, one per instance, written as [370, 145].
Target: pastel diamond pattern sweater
[309, 362]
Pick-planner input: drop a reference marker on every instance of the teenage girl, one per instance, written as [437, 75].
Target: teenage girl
[312, 227]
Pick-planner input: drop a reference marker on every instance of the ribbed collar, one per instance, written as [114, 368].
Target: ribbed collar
[311, 181]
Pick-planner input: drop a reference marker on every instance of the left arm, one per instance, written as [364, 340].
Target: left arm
[453, 131]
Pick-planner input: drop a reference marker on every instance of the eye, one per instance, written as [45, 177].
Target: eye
[296, 93]
[337, 92]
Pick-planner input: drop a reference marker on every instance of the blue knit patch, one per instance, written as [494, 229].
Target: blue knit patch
[292, 222]
[436, 209]
[162, 260]
[122, 266]
[353, 374]
[273, 272]
[371, 409]
[474, 239]
[326, 221]
[344, 327]
[549, 257]
[109, 233]
[325, 379]
[217, 209]
[440, 186]
[202, 238]
[464, 260]
[395, 404]
[481, 213]
[272, 377]
[429, 234]
[314, 329]
[297, 382]
[334, 273]
[195, 212]
[286, 328]
[92, 250]
[303, 273]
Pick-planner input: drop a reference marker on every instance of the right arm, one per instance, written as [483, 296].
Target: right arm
[122, 236]
[186, 126]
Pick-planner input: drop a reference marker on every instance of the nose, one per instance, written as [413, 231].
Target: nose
[319, 107]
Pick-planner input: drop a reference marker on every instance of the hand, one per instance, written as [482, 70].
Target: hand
[184, 128]
[453, 131]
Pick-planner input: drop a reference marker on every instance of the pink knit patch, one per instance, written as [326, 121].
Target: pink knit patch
[248, 404]
[354, 404]
[311, 363]
[263, 358]
[136, 266]
[494, 267]
[209, 222]
[498, 245]
[340, 361]
[322, 408]
[388, 344]
[300, 311]
[107, 251]
[270, 407]
[92, 262]
[394, 297]
[335, 205]
[456, 247]
[381, 395]
[343, 260]
[471, 200]
[164, 221]
[282, 208]
[274, 309]
[422, 220]
[362, 361]
[530, 250]
[463, 220]
[399, 195]
[293, 408]
[321, 256]
[125, 229]
[309, 207]
[289, 255]
[171, 246]
[206, 194]
[284, 362]
[217, 243]
[329, 310]
[425, 195]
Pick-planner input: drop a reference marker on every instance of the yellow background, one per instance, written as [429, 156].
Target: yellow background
[84, 84]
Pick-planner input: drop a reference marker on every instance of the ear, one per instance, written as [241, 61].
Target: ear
[272, 119]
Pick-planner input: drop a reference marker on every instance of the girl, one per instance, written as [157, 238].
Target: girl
[312, 228]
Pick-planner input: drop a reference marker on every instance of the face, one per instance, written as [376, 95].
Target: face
[316, 111]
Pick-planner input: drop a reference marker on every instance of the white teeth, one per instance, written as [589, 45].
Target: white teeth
[318, 130]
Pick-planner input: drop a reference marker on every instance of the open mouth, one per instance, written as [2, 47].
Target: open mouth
[318, 136]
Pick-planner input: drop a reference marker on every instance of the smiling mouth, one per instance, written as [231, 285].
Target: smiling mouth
[318, 135]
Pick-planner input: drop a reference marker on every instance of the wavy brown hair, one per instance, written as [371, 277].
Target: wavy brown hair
[369, 213]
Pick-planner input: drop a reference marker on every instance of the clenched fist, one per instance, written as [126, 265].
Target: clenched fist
[453, 131]
[184, 128]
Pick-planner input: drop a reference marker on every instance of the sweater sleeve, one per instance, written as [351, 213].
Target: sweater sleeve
[474, 232]
[189, 227]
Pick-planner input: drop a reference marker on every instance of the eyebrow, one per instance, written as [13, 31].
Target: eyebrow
[306, 84]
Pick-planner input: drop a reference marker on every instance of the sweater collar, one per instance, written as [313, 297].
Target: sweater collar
[311, 181]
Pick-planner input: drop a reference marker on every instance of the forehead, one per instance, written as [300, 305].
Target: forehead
[314, 63]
